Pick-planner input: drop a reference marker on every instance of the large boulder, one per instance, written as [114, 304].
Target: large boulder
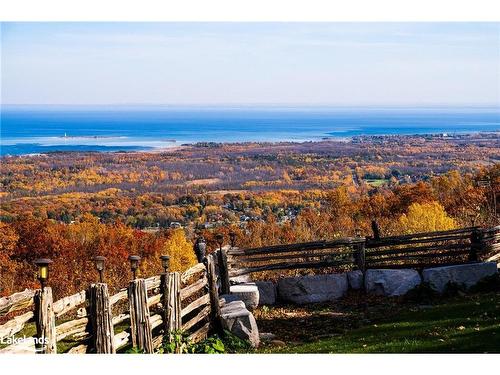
[465, 275]
[240, 279]
[227, 298]
[355, 279]
[390, 282]
[267, 292]
[311, 289]
[248, 293]
[239, 321]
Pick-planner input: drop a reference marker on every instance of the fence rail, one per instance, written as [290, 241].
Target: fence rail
[426, 249]
[318, 254]
[417, 250]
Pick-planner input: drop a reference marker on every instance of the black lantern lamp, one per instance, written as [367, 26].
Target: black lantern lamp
[134, 264]
[43, 270]
[357, 232]
[165, 262]
[200, 248]
[220, 240]
[232, 237]
[99, 266]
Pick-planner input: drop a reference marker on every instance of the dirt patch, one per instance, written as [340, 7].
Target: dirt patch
[294, 324]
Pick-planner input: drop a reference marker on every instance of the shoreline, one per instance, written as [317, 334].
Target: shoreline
[201, 144]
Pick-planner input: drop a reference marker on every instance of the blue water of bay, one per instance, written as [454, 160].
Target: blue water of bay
[28, 130]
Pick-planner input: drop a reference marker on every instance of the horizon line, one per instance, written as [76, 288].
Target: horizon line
[261, 105]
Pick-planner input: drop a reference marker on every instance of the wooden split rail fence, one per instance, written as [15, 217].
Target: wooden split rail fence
[143, 315]
[310, 255]
[418, 250]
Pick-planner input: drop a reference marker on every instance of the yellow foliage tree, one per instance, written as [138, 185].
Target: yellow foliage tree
[180, 250]
[426, 217]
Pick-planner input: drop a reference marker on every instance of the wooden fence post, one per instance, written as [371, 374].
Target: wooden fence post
[140, 325]
[376, 230]
[101, 319]
[223, 271]
[360, 256]
[475, 245]
[215, 315]
[164, 290]
[173, 306]
[45, 342]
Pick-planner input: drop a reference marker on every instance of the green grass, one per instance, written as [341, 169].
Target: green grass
[376, 182]
[29, 330]
[63, 346]
[465, 324]
[360, 323]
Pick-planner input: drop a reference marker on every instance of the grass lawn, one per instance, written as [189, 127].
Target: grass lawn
[376, 182]
[360, 323]
[460, 324]
[63, 346]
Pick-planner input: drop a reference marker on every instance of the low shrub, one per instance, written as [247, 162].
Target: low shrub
[134, 350]
[215, 344]
[454, 289]
[488, 284]
[422, 293]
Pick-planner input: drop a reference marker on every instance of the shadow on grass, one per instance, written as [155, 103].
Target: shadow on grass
[460, 324]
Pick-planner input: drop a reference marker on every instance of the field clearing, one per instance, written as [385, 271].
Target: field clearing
[376, 182]
[203, 181]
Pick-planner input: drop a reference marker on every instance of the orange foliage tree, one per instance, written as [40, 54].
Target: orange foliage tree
[74, 247]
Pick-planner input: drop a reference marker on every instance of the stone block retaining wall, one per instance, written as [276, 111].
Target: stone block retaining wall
[388, 282]
[236, 307]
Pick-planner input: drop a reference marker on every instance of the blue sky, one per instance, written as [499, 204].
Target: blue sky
[251, 63]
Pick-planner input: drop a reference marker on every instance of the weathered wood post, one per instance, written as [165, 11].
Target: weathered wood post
[101, 320]
[215, 315]
[223, 271]
[164, 290]
[360, 255]
[45, 342]
[173, 304]
[376, 230]
[475, 245]
[140, 324]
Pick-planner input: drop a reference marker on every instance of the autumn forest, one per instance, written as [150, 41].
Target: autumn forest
[73, 206]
